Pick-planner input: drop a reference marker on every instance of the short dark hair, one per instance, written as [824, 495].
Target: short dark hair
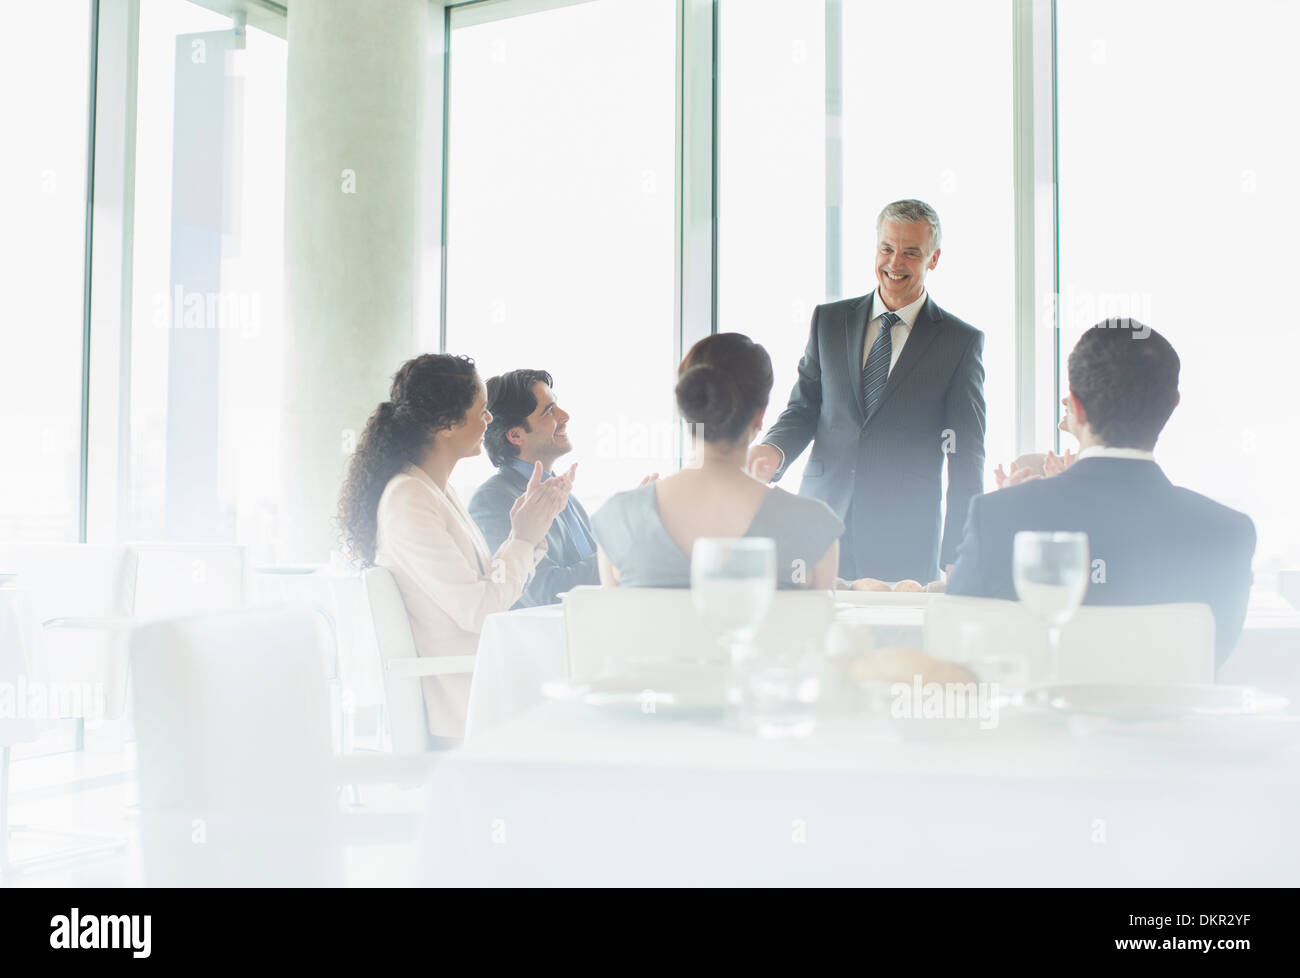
[723, 381]
[1125, 376]
[510, 400]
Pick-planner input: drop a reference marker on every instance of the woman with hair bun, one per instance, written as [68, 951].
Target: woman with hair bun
[645, 535]
[397, 510]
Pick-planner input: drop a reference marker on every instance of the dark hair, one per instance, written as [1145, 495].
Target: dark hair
[723, 381]
[431, 392]
[1125, 376]
[510, 399]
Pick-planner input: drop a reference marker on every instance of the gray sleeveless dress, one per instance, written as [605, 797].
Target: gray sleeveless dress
[629, 530]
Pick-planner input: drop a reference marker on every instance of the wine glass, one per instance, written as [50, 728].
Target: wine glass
[732, 583]
[1051, 576]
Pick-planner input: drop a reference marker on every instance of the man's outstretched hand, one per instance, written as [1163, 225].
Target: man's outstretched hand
[764, 460]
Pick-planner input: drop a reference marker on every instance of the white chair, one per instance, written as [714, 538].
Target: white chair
[239, 784]
[1165, 643]
[604, 624]
[340, 595]
[81, 600]
[235, 762]
[174, 579]
[402, 666]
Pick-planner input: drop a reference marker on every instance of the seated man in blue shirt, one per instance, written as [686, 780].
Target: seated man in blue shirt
[1152, 542]
[529, 426]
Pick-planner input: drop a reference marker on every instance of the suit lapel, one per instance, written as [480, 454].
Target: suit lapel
[855, 335]
[924, 330]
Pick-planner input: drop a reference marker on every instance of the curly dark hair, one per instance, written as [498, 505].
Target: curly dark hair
[722, 382]
[510, 400]
[1125, 376]
[430, 393]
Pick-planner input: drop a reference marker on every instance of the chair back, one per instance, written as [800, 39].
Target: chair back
[603, 625]
[174, 579]
[234, 749]
[1164, 643]
[340, 594]
[403, 698]
[73, 580]
[82, 599]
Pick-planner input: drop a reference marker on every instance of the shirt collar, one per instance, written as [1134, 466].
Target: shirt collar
[525, 468]
[907, 314]
[1105, 451]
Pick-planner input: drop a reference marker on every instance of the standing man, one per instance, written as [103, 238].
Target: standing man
[889, 385]
[528, 425]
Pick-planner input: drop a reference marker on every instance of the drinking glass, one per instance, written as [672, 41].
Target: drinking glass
[732, 583]
[1051, 577]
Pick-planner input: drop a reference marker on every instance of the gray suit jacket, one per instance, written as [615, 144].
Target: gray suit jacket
[889, 468]
[561, 568]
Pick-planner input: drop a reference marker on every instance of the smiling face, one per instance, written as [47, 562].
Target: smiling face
[547, 434]
[903, 257]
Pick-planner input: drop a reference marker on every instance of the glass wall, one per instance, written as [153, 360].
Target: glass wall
[932, 122]
[1177, 185]
[46, 50]
[219, 285]
[560, 221]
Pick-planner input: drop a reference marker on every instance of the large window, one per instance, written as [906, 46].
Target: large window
[560, 220]
[1177, 193]
[45, 75]
[930, 120]
[206, 331]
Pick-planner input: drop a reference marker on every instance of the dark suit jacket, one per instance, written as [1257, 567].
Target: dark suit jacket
[1160, 543]
[890, 467]
[561, 568]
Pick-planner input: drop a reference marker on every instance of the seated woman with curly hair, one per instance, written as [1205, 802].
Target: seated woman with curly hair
[397, 510]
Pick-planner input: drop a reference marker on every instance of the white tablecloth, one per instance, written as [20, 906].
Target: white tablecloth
[518, 651]
[573, 795]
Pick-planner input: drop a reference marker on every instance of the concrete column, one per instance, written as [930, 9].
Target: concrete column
[352, 208]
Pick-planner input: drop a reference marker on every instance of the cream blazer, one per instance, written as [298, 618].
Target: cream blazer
[449, 581]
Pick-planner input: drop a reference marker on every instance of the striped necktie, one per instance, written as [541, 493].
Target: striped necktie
[876, 373]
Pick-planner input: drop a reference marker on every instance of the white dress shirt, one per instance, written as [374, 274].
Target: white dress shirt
[448, 579]
[898, 335]
[1105, 451]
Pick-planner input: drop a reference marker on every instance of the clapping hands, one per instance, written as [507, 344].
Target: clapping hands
[1017, 475]
[533, 513]
[1055, 464]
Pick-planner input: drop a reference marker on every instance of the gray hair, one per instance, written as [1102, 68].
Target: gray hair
[911, 212]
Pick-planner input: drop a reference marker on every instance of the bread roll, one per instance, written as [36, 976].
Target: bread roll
[870, 584]
[903, 665]
[909, 586]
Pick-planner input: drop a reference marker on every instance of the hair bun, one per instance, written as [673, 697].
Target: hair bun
[706, 395]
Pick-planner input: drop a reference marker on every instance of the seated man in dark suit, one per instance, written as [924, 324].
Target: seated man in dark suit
[528, 426]
[1152, 542]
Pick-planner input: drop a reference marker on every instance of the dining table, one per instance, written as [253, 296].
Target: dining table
[557, 789]
[573, 794]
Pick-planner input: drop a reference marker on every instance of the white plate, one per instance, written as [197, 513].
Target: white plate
[874, 599]
[1138, 703]
[672, 688]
